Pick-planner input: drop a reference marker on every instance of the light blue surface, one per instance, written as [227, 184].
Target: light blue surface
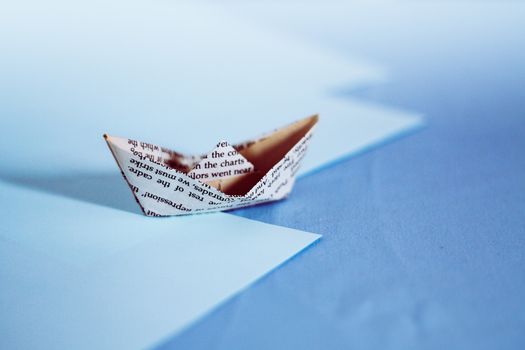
[79, 266]
[179, 75]
[423, 240]
[78, 275]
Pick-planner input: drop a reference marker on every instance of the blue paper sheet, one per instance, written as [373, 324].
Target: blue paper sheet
[76, 275]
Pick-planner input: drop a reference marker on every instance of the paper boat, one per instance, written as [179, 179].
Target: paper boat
[166, 182]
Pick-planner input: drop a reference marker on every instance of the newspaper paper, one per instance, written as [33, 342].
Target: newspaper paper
[167, 183]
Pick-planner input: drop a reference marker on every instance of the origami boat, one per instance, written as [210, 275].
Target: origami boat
[165, 182]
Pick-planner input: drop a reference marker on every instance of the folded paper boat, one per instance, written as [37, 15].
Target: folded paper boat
[165, 182]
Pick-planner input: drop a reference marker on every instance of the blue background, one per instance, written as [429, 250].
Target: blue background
[423, 241]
